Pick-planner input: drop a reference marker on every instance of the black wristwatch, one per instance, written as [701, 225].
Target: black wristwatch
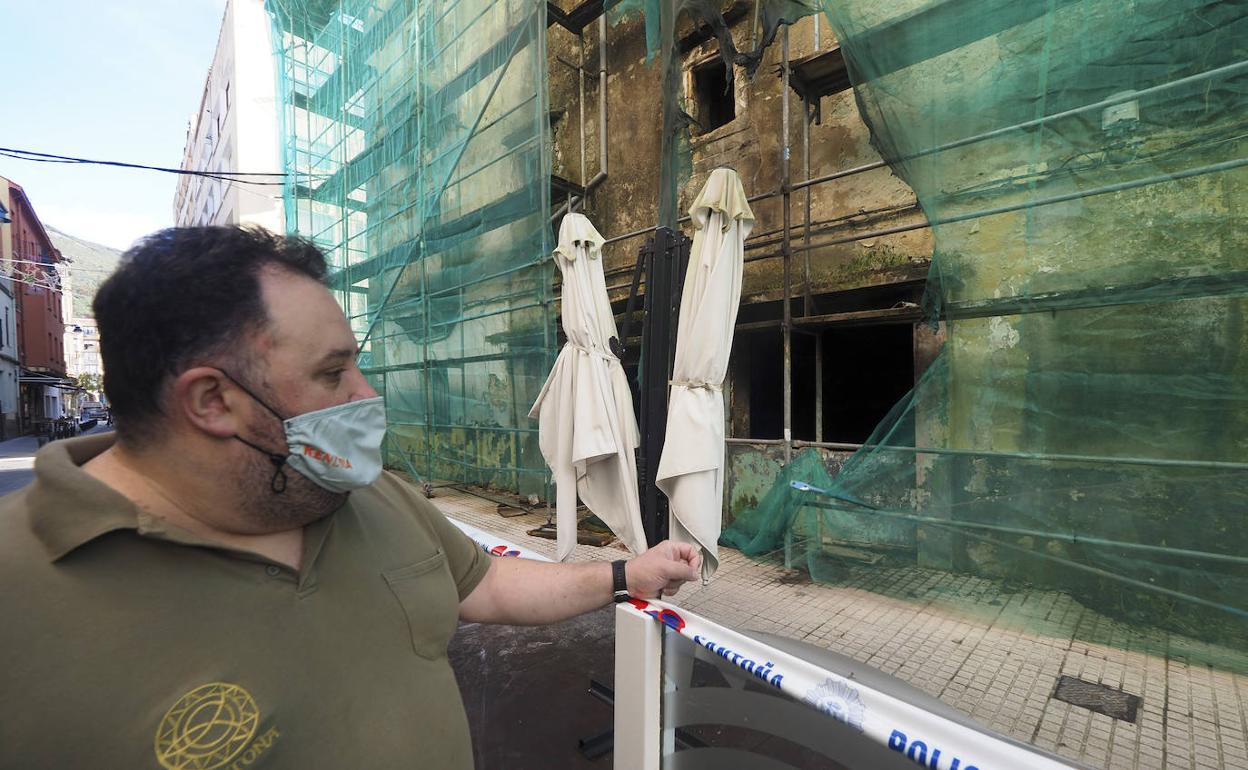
[619, 583]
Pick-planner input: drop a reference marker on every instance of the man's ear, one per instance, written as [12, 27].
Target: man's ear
[207, 400]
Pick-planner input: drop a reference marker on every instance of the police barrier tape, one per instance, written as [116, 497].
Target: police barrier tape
[928, 739]
[494, 545]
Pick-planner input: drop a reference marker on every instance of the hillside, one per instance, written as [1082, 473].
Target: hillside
[90, 264]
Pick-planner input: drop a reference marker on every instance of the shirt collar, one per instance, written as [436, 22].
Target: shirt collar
[69, 507]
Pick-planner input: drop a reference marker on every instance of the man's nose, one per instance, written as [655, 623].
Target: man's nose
[361, 388]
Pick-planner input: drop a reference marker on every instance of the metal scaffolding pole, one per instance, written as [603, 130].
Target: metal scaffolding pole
[786, 250]
[808, 303]
[580, 76]
[1027, 204]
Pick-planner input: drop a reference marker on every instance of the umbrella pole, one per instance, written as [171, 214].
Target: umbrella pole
[666, 257]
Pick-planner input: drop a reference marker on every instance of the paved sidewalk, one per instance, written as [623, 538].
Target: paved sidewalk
[22, 446]
[27, 446]
[993, 651]
[17, 459]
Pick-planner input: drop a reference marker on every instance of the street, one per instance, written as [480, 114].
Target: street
[17, 460]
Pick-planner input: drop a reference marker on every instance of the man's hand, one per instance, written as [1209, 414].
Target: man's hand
[528, 593]
[663, 569]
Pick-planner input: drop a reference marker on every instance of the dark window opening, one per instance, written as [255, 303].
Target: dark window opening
[716, 103]
[866, 370]
[758, 385]
[819, 75]
[804, 392]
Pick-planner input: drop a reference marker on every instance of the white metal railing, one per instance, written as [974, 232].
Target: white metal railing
[926, 738]
[645, 674]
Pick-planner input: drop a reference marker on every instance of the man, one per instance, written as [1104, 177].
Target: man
[232, 584]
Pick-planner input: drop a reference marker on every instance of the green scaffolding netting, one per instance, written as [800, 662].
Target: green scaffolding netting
[1085, 425]
[421, 129]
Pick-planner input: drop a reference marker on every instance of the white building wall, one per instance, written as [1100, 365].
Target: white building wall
[236, 128]
[54, 406]
[82, 346]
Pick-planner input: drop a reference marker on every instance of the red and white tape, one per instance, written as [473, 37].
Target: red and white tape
[928, 739]
[494, 545]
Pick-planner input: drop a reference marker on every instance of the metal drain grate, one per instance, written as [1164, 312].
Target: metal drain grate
[1098, 698]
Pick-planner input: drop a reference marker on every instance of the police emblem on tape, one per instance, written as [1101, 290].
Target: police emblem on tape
[839, 701]
[212, 726]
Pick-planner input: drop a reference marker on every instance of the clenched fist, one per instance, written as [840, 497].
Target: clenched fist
[663, 569]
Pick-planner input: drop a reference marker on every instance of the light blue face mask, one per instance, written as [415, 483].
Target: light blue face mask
[337, 448]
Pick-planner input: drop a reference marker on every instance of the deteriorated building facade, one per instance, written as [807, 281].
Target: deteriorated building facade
[855, 343]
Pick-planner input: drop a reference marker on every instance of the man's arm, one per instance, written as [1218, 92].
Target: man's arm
[522, 592]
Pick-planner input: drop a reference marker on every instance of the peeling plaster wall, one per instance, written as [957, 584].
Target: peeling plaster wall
[752, 144]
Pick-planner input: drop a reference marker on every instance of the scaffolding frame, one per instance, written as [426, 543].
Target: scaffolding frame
[424, 122]
[332, 135]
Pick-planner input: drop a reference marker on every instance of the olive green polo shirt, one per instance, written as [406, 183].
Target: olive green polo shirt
[128, 643]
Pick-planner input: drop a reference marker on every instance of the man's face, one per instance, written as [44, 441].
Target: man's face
[303, 361]
[307, 353]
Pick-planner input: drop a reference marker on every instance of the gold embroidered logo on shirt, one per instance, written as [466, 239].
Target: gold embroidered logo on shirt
[210, 727]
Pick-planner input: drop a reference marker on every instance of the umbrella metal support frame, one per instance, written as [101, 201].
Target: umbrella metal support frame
[663, 258]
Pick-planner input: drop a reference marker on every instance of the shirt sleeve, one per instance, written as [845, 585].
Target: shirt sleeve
[467, 560]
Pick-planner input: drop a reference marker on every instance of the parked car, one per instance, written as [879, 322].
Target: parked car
[90, 416]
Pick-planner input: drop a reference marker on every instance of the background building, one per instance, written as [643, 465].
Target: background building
[235, 130]
[417, 143]
[37, 323]
[83, 366]
[82, 353]
[82, 350]
[84, 266]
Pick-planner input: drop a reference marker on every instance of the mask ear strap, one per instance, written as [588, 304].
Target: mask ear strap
[278, 483]
[254, 397]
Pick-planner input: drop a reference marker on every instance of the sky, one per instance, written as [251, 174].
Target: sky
[114, 80]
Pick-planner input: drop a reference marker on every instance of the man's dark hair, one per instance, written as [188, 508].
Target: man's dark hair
[180, 296]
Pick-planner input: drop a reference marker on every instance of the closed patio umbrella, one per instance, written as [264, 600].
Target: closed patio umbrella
[586, 427]
[691, 471]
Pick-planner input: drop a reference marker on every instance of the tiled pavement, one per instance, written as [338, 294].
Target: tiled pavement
[990, 651]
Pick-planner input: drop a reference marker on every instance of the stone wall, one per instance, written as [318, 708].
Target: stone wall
[753, 144]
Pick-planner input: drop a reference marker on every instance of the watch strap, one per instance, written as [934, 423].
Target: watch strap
[619, 582]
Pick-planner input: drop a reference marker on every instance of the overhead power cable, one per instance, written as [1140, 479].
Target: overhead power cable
[225, 176]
